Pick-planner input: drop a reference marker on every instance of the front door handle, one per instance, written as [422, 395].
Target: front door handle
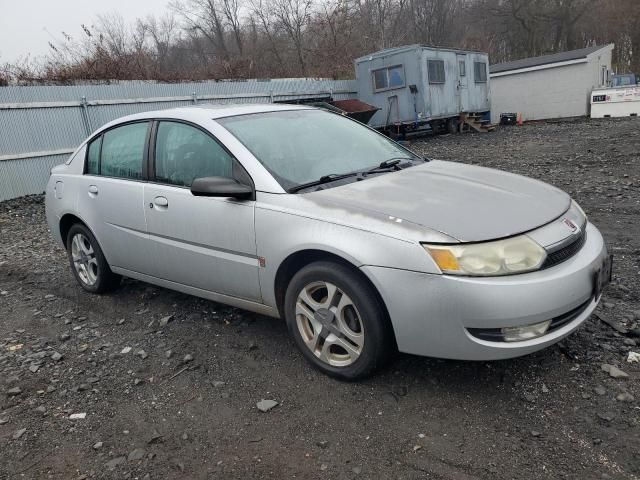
[93, 190]
[161, 202]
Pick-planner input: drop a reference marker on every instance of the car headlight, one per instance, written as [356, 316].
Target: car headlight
[502, 257]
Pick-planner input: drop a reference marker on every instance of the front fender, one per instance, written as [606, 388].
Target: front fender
[280, 234]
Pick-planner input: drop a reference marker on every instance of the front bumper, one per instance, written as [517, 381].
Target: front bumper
[432, 314]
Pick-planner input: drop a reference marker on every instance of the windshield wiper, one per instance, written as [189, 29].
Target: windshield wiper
[332, 177]
[387, 165]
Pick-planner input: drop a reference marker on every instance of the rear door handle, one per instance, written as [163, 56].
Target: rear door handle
[161, 202]
[93, 190]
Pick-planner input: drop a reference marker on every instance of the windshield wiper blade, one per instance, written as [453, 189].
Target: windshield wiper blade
[390, 164]
[332, 177]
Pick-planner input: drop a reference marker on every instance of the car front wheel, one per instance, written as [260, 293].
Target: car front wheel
[87, 261]
[337, 320]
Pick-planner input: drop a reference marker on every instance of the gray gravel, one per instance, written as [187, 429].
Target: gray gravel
[182, 403]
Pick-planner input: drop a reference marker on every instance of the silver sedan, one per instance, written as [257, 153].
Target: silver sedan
[362, 246]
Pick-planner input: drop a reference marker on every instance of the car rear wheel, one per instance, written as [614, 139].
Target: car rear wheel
[337, 320]
[87, 261]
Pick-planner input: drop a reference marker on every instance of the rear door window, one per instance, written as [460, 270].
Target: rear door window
[122, 152]
[119, 152]
[93, 157]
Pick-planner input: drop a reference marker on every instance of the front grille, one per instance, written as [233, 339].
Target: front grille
[495, 334]
[566, 252]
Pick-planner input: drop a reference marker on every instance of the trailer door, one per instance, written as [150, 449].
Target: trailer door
[462, 90]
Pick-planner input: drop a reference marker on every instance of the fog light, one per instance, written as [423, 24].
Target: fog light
[526, 332]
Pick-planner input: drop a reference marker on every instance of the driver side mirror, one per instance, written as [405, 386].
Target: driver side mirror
[221, 187]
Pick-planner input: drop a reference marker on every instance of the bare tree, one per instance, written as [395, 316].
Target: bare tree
[435, 21]
[262, 15]
[293, 17]
[231, 10]
[204, 17]
[269, 38]
[164, 34]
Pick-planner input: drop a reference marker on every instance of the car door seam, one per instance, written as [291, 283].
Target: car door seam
[186, 242]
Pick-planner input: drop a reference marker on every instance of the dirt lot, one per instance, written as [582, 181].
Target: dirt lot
[178, 400]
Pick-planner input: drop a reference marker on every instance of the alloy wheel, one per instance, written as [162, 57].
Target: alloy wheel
[329, 324]
[84, 259]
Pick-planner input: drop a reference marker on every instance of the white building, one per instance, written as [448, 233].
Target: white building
[551, 86]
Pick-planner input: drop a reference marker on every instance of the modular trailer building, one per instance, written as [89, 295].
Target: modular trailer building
[551, 86]
[417, 85]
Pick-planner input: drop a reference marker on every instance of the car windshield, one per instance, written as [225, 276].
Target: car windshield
[302, 146]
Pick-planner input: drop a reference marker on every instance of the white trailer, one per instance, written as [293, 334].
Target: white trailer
[615, 102]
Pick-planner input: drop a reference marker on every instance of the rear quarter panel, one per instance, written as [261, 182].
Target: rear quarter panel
[61, 194]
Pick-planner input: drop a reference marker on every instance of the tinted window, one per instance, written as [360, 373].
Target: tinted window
[462, 67]
[436, 71]
[480, 72]
[184, 153]
[123, 151]
[93, 157]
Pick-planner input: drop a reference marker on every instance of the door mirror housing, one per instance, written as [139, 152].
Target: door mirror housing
[221, 187]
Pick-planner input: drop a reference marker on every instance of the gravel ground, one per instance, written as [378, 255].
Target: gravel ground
[167, 385]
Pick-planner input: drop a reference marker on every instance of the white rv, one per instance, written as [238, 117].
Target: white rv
[621, 100]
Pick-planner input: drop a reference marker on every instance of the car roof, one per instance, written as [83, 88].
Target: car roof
[203, 112]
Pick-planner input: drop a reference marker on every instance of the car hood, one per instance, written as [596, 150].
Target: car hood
[465, 202]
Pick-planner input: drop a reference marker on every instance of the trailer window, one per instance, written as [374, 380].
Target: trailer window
[462, 68]
[388, 77]
[380, 79]
[436, 71]
[396, 77]
[480, 72]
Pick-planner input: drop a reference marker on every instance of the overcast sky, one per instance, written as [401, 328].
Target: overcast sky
[26, 26]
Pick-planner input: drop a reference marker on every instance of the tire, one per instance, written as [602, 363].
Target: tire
[355, 319]
[87, 261]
